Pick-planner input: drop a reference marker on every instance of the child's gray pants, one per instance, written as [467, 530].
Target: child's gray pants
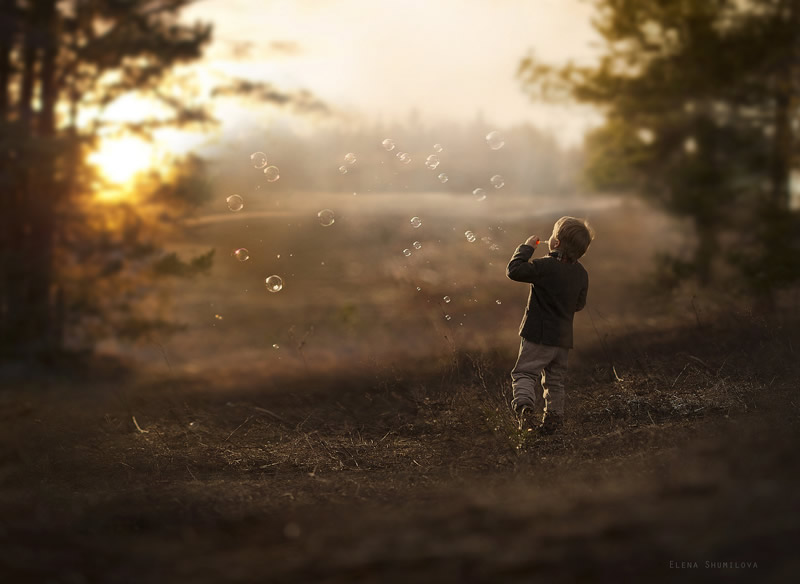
[538, 377]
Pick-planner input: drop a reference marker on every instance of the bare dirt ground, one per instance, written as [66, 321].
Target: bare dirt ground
[683, 460]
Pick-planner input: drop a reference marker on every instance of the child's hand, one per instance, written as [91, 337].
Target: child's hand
[533, 241]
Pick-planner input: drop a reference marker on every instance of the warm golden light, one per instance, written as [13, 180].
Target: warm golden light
[119, 160]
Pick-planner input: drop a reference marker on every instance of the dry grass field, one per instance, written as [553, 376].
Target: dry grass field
[376, 443]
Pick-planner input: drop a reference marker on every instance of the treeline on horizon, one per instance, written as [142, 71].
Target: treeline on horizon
[531, 161]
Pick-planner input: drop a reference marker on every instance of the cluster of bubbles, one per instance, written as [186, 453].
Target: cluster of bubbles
[236, 203]
[350, 160]
[326, 217]
[470, 236]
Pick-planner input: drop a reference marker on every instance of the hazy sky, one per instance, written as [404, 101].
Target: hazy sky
[446, 58]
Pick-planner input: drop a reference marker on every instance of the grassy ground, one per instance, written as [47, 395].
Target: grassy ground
[684, 452]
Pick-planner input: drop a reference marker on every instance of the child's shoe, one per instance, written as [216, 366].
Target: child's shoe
[525, 417]
[551, 423]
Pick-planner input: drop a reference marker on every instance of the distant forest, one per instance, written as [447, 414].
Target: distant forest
[530, 162]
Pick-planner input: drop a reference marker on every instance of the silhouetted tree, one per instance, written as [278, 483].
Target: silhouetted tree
[700, 100]
[58, 59]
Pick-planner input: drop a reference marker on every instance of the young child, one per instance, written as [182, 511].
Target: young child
[559, 284]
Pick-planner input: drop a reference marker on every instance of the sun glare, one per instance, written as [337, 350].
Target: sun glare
[120, 159]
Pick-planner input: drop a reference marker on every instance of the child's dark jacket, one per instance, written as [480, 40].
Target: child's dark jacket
[558, 291]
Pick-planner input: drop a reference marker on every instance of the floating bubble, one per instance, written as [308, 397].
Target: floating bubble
[443, 178]
[235, 203]
[419, 289]
[343, 169]
[350, 158]
[259, 159]
[495, 140]
[416, 222]
[388, 144]
[272, 173]
[437, 148]
[407, 252]
[497, 302]
[446, 299]
[326, 217]
[497, 181]
[218, 316]
[241, 254]
[432, 161]
[405, 158]
[274, 283]
[417, 245]
[470, 236]
[447, 317]
[400, 154]
[276, 346]
[479, 194]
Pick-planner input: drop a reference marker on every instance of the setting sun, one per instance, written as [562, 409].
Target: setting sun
[120, 159]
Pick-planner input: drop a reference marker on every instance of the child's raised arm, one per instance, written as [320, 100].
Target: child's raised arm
[519, 268]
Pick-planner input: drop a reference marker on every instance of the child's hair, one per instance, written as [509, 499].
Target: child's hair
[574, 236]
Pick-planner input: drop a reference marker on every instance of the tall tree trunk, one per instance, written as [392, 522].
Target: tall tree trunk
[7, 31]
[41, 297]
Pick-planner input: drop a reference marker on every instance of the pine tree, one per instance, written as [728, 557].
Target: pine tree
[56, 60]
[700, 99]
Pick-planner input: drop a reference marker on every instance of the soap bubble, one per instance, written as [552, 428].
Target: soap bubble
[350, 158]
[388, 144]
[447, 317]
[407, 252]
[405, 158]
[259, 159]
[470, 236]
[497, 181]
[479, 194]
[416, 222]
[443, 178]
[437, 148]
[276, 346]
[432, 161]
[495, 140]
[272, 173]
[241, 254]
[274, 283]
[498, 302]
[343, 169]
[326, 217]
[446, 299]
[400, 154]
[235, 203]
[419, 289]
[417, 245]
